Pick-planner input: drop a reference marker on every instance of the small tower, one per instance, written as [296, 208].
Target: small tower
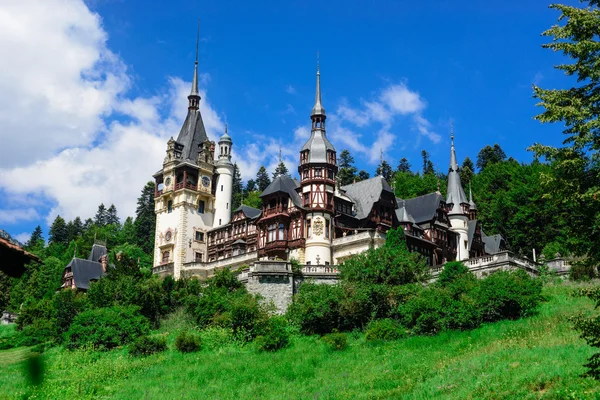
[458, 206]
[472, 205]
[317, 173]
[224, 187]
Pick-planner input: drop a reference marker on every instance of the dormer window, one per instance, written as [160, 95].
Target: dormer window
[318, 172]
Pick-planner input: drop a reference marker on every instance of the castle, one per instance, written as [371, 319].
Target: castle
[314, 220]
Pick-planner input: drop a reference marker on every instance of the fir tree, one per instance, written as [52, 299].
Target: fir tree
[467, 170]
[403, 166]
[145, 219]
[36, 238]
[281, 170]
[362, 175]
[58, 231]
[427, 164]
[127, 233]
[347, 170]
[250, 186]
[262, 179]
[237, 193]
[88, 224]
[384, 169]
[111, 215]
[101, 215]
[490, 155]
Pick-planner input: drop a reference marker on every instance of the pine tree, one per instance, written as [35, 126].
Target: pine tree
[36, 238]
[250, 186]
[111, 215]
[427, 164]
[262, 179]
[347, 170]
[281, 170]
[88, 224]
[145, 219]
[403, 166]
[101, 215]
[467, 170]
[127, 233]
[362, 175]
[58, 231]
[490, 155]
[237, 193]
[384, 169]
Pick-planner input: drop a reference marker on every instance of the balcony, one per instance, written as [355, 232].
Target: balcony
[276, 245]
[188, 185]
[270, 212]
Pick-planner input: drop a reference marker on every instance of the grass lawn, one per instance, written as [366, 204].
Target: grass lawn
[537, 357]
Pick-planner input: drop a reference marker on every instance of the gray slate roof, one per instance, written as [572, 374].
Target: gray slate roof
[492, 243]
[402, 214]
[248, 211]
[471, 226]
[97, 252]
[317, 144]
[455, 194]
[366, 193]
[423, 208]
[84, 271]
[285, 184]
[192, 135]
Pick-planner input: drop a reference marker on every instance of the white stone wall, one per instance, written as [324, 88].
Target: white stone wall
[459, 225]
[318, 246]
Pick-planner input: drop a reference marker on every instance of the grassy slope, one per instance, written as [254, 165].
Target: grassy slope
[538, 357]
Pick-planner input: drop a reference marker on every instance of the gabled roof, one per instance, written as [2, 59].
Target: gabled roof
[249, 212]
[14, 258]
[423, 208]
[493, 243]
[402, 214]
[192, 135]
[284, 184]
[84, 271]
[366, 193]
[97, 252]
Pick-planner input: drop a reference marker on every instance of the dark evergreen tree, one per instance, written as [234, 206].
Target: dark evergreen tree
[490, 155]
[58, 231]
[88, 224]
[262, 179]
[384, 169]
[127, 233]
[111, 216]
[281, 170]
[145, 219]
[36, 238]
[467, 170]
[362, 175]
[403, 166]
[250, 186]
[347, 170]
[101, 215]
[427, 164]
[237, 193]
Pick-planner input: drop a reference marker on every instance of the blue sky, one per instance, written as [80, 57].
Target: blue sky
[105, 88]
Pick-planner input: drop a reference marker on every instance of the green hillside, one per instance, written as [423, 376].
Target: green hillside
[537, 357]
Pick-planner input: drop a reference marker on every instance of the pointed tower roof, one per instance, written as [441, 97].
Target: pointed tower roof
[193, 132]
[472, 204]
[456, 194]
[318, 107]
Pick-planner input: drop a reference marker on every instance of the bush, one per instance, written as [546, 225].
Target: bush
[147, 345]
[453, 271]
[187, 342]
[508, 295]
[106, 328]
[274, 334]
[316, 308]
[589, 329]
[384, 329]
[336, 341]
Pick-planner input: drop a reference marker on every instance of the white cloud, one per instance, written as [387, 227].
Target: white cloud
[290, 89]
[424, 128]
[23, 237]
[402, 100]
[10, 216]
[58, 78]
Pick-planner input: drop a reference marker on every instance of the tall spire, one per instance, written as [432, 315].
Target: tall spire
[456, 194]
[194, 97]
[318, 108]
[472, 204]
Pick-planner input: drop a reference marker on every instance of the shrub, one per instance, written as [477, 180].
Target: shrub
[363, 302]
[187, 342]
[274, 334]
[147, 345]
[216, 337]
[316, 308]
[583, 271]
[336, 341]
[67, 304]
[508, 295]
[590, 332]
[106, 328]
[453, 271]
[384, 329]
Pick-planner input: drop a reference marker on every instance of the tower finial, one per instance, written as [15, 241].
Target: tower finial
[452, 133]
[194, 96]
[197, 40]
[318, 65]
[226, 128]
[318, 108]
[280, 155]
[381, 155]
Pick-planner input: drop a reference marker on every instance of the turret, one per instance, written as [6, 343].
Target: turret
[224, 184]
[472, 205]
[458, 206]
